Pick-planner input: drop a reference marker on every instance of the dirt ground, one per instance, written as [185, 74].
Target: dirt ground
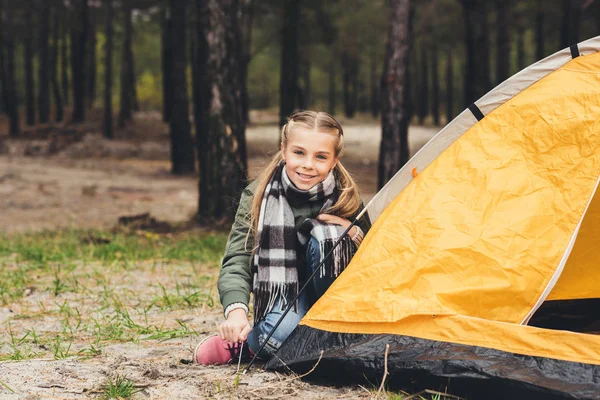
[47, 183]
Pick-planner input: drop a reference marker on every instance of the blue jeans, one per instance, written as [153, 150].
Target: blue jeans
[262, 329]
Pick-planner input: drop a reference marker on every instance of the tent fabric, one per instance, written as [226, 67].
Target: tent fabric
[502, 216]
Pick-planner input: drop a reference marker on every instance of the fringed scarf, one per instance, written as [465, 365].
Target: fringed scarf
[276, 257]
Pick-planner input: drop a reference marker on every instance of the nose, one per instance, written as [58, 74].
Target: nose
[308, 163]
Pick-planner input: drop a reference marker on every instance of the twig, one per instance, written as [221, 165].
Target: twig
[289, 380]
[385, 370]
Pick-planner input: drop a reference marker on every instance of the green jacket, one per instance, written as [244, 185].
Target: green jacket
[235, 279]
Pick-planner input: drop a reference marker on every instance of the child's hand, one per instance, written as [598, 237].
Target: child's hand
[236, 327]
[332, 219]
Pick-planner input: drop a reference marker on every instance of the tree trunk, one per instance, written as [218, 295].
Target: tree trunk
[108, 73]
[477, 76]
[64, 57]
[393, 153]
[125, 113]
[350, 82]
[43, 69]
[222, 163]
[58, 102]
[7, 58]
[570, 22]
[423, 85]
[28, 53]
[374, 85]
[288, 84]
[91, 64]
[78, 51]
[331, 103]
[182, 149]
[502, 40]
[539, 30]
[306, 84]
[520, 47]
[449, 88]
[166, 26]
[435, 87]
[247, 22]
[133, 80]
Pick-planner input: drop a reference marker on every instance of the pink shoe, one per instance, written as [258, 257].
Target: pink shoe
[213, 350]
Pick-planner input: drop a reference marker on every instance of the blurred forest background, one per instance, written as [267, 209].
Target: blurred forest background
[203, 64]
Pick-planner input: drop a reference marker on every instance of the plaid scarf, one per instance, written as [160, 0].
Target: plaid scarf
[277, 241]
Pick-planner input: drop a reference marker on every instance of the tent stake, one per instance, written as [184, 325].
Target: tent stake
[308, 281]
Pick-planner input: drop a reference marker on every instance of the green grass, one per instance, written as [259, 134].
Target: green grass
[119, 388]
[92, 245]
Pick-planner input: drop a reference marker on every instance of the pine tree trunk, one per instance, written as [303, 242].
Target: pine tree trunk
[28, 53]
[7, 58]
[91, 64]
[306, 87]
[247, 22]
[374, 100]
[166, 26]
[43, 69]
[423, 85]
[449, 88]
[58, 102]
[393, 153]
[64, 63]
[288, 85]
[520, 47]
[182, 148]
[331, 98]
[477, 76]
[502, 40]
[435, 87]
[126, 97]
[539, 30]
[78, 51]
[133, 81]
[108, 73]
[222, 163]
[350, 82]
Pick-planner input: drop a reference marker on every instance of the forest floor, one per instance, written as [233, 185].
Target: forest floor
[88, 305]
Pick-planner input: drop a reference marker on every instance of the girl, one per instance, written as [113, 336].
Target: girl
[292, 215]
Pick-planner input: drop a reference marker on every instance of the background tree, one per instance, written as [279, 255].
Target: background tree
[393, 152]
[288, 86]
[79, 37]
[166, 28]
[126, 98]
[182, 149]
[449, 88]
[435, 86]
[58, 102]
[221, 163]
[108, 48]
[64, 49]
[90, 87]
[477, 74]
[28, 61]
[43, 70]
[7, 65]
[423, 84]
[502, 40]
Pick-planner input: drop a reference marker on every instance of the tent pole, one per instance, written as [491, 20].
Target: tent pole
[310, 278]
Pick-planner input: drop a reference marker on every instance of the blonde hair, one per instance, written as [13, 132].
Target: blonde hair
[348, 202]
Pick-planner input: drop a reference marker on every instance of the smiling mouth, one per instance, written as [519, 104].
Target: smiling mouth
[304, 176]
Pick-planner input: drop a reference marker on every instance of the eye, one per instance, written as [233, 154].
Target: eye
[299, 152]
[322, 157]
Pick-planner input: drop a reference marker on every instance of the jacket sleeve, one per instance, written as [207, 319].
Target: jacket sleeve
[235, 279]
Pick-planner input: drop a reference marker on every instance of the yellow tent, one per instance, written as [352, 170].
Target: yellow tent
[470, 264]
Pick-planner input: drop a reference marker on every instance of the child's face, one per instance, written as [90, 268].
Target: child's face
[309, 156]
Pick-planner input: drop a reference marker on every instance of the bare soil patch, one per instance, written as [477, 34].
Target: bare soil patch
[84, 323]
